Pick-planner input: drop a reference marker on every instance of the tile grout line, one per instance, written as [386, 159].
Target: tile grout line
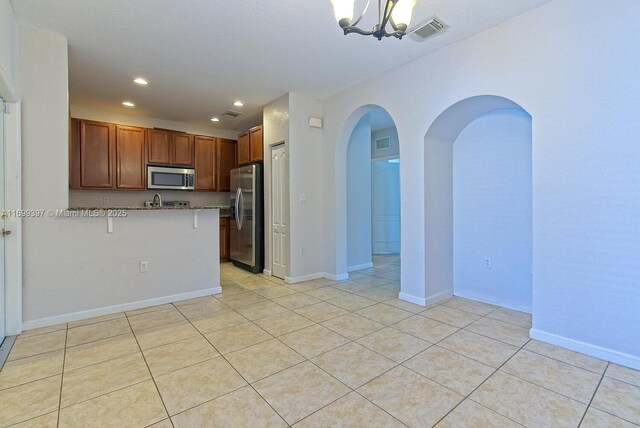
[148, 368]
[236, 370]
[64, 360]
[309, 360]
[595, 391]
[468, 396]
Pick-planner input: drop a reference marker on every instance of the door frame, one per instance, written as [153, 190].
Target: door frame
[13, 201]
[272, 147]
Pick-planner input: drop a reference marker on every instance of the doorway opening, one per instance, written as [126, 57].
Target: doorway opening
[478, 203]
[280, 211]
[373, 194]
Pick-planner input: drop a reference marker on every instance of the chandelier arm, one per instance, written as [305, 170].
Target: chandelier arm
[352, 29]
[353, 24]
[393, 24]
[387, 13]
[398, 34]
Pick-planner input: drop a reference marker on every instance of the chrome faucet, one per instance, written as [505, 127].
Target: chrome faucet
[157, 201]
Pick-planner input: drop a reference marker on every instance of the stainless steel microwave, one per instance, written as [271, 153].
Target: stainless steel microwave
[160, 177]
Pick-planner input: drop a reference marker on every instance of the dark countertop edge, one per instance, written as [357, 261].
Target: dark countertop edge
[147, 208]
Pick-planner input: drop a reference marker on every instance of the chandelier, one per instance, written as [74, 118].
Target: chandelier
[397, 13]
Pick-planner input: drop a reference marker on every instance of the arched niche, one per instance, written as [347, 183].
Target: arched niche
[438, 198]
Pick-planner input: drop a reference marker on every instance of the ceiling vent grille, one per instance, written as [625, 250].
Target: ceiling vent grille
[427, 29]
[231, 113]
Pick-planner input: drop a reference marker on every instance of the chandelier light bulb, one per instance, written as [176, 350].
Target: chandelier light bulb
[402, 12]
[343, 9]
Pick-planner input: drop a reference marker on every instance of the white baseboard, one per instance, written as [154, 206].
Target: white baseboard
[439, 297]
[412, 299]
[338, 277]
[107, 310]
[359, 267]
[492, 301]
[587, 348]
[266, 272]
[303, 278]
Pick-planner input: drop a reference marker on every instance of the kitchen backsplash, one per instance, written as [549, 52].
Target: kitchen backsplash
[123, 198]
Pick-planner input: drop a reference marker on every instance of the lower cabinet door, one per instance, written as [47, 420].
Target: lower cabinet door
[224, 239]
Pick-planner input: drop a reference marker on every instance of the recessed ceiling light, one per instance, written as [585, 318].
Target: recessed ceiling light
[128, 104]
[215, 119]
[238, 103]
[141, 81]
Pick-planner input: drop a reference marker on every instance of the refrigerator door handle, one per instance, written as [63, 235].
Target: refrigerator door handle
[237, 210]
[241, 216]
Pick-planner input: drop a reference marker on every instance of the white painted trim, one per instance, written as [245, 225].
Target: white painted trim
[303, 278]
[7, 90]
[359, 267]
[77, 316]
[266, 272]
[439, 297]
[587, 348]
[412, 299]
[13, 200]
[338, 277]
[492, 301]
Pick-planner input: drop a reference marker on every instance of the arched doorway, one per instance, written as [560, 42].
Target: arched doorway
[368, 220]
[478, 196]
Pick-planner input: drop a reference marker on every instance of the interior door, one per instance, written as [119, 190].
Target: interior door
[2, 226]
[280, 210]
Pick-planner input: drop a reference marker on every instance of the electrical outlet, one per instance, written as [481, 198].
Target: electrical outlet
[302, 251]
[144, 267]
[105, 200]
[487, 263]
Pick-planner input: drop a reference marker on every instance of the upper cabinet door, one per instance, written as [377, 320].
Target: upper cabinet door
[205, 163]
[244, 148]
[97, 154]
[226, 161]
[256, 144]
[130, 155]
[74, 154]
[158, 145]
[182, 149]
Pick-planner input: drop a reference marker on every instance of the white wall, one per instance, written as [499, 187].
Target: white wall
[385, 207]
[71, 267]
[81, 112]
[580, 89]
[492, 209]
[8, 41]
[359, 197]
[305, 169]
[275, 128]
[394, 144]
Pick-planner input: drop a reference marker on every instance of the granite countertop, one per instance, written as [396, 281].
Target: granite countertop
[224, 210]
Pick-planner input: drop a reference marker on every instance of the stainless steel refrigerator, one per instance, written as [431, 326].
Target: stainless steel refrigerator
[247, 218]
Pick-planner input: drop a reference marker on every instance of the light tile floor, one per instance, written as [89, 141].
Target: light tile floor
[316, 354]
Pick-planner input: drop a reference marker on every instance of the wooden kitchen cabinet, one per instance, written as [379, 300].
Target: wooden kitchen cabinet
[74, 154]
[182, 149]
[205, 163]
[255, 141]
[250, 146]
[244, 148]
[130, 158]
[97, 154]
[225, 162]
[158, 147]
[169, 148]
[225, 243]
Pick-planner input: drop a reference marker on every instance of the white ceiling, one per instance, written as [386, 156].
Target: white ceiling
[201, 55]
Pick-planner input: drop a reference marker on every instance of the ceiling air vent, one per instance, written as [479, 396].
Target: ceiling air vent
[427, 29]
[231, 113]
